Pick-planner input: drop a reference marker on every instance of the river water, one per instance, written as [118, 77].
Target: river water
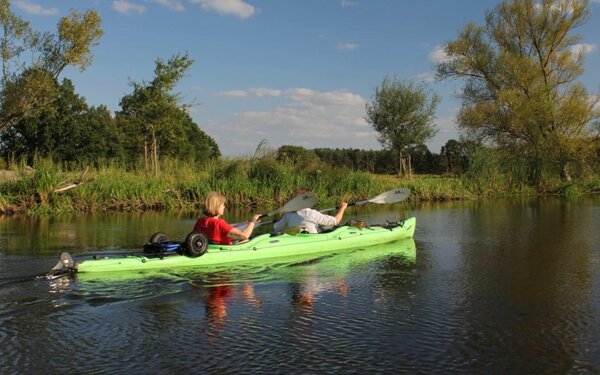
[501, 287]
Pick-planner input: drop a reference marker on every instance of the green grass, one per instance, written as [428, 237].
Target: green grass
[263, 183]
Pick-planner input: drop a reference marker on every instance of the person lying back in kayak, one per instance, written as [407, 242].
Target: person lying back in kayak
[216, 229]
[308, 219]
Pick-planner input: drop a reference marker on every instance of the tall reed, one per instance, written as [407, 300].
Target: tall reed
[257, 183]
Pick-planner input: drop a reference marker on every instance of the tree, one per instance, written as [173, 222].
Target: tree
[402, 114]
[26, 89]
[67, 131]
[153, 118]
[296, 155]
[424, 161]
[520, 93]
[454, 156]
[196, 144]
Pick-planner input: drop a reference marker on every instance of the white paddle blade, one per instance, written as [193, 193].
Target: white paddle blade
[306, 200]
[392, 196]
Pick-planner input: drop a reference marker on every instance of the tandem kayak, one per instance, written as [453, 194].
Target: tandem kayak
[330, 265]
[264, 246]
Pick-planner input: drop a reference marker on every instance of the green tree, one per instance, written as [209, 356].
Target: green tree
[296, 155]
[153, 118]
[424, 161]
[521, 93]
[28, 88]
[402, 114]
[66, 131]
[196, 145]
[454, 156]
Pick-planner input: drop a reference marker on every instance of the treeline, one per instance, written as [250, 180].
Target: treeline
[42, 117]
[71, 132]
[453, 159]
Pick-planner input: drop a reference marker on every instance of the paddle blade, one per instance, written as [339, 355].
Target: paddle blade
[306, 200]
[392, 196]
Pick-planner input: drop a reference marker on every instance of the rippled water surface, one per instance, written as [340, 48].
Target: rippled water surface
[501, 287]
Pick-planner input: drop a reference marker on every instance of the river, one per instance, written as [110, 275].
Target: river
[493, 287]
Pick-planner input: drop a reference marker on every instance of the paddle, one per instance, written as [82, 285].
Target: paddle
[391, 196]
[305, 200]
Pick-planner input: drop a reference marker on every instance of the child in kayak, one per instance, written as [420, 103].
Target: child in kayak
[308, 219]
[216, 229]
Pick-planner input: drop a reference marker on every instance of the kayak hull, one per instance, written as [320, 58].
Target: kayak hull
[265, 246]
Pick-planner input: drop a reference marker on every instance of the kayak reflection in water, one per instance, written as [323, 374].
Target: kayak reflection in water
[216, 229]
[307, 219]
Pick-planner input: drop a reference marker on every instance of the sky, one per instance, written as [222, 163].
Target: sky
[292, 72]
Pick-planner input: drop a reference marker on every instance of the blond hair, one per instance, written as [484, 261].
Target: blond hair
[212, 203]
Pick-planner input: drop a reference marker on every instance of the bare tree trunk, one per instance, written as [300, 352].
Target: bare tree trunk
[400, 164]
[409, 166]
[155, 156]
[145, 155]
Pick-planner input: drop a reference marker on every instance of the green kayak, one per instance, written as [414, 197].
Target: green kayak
[265, 246]
[329, 265]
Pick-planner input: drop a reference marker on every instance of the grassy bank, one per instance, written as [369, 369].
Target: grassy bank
[49, 189]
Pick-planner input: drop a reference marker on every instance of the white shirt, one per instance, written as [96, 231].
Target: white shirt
[306, 219]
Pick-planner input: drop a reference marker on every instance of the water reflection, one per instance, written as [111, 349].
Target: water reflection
[307, 281]
[80, 234]
[514, 276]
[218, 297]
[305, 295]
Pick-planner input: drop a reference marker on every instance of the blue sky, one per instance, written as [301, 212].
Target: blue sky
[288, 71]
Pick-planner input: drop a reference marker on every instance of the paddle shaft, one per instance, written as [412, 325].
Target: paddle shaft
[391, 196]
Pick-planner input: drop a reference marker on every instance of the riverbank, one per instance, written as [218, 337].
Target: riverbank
[49, 189]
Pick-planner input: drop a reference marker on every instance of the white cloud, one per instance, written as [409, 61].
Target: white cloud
[233, 94]
[438, 55]
[263, 91]
[36, 9]
[583, 48]
[237, 8]
[309, 118]
[446, 124]
[171, 4]
[125, 7]
[427, 76]
[347, 46]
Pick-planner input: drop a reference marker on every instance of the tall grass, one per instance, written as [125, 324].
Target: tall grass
[247, 183]
[257, 183]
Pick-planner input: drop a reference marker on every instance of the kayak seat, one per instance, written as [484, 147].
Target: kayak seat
[276, 234]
